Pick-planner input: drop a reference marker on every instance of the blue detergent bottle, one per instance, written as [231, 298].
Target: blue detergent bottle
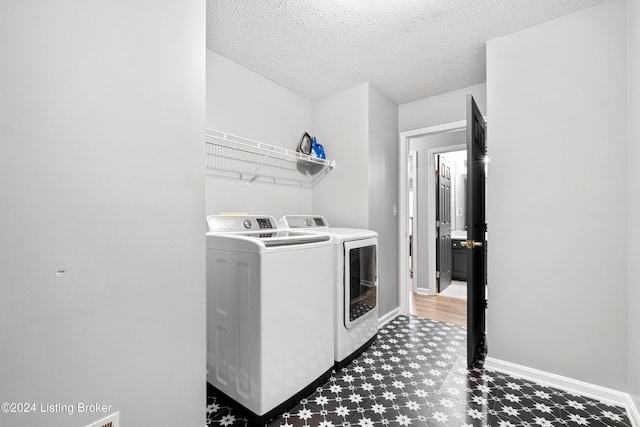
[317, 149]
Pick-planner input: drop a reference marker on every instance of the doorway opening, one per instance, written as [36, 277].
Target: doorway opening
[425, 247]
[449, 303]
[438, 140]
[422, 290]
[450, 200]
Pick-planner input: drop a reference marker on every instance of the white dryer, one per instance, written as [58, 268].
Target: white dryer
[355, 269]
[269, 317]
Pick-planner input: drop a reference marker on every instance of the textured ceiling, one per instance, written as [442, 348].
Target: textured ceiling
[408, 49]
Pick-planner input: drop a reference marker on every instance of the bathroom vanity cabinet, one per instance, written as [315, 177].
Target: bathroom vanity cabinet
[459, 260]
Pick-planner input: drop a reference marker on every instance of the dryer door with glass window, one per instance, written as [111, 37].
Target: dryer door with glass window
[360, 279]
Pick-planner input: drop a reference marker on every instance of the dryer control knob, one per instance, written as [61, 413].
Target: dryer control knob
[309, 222]
[247, 223]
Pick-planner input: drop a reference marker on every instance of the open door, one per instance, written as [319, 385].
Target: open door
[476, 235]
[443, 223]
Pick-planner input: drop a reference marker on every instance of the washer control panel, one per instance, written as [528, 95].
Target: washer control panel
[304, 221]
[240, 223]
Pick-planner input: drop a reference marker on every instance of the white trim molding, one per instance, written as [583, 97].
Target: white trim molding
[634, 413]
[388, 317]
[568, 384]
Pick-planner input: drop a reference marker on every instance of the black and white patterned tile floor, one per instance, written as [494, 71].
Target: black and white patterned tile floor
[415, 374]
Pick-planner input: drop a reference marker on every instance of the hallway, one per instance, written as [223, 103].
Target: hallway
[440, 308]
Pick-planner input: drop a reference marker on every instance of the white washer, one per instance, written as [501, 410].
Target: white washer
[356, 281]
[269, 312]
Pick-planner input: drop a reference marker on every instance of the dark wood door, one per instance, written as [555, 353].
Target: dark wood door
[443, 222]
[476, 235]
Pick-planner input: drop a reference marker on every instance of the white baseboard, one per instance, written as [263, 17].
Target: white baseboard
[633, 412]
[388, 317]
[569, 384]
[423, 291]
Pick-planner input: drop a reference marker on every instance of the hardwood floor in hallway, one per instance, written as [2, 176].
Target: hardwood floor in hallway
[440, 308]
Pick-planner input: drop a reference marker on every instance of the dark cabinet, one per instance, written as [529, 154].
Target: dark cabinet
[459, 260]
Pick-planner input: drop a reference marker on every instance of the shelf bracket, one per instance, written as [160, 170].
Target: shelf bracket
[255, 172]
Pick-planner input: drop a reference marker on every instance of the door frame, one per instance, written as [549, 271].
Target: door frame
[403, 206]
[412, 157]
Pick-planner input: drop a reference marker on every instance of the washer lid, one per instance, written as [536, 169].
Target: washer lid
[287, 238]
[347, 234]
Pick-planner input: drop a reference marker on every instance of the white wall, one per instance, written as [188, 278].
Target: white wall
[341, 124]
[633, 160]
[101, 119]
[383, 193]
[440, 109]
[557, 203]
[246, 104]
[359, 130]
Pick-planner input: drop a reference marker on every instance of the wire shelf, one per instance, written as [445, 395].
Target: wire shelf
[242, 158]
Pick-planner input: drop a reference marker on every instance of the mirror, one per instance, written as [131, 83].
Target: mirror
[458, 161]
[459, 201]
